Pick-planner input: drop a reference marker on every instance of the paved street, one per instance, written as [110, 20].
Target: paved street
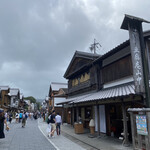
[28, 138]
[33, 137]
[61, 142]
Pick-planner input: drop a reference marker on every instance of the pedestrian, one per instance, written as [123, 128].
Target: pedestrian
[24, 117]
[6, 116]
[2, 121]
[53, 125]
[17, 117]
[49, 125]
[10, 117]
[43, 115]
[58, 123]
[20, 117]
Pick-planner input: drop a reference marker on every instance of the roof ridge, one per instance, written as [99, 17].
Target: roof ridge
[58, 83]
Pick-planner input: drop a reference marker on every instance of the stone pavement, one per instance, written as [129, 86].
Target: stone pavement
[96, 143]
[60, 142]
[102, 142]
[28, 138]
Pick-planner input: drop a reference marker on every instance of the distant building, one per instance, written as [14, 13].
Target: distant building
[28, 104]
[14, 94]
[54, 98]
[4, 98]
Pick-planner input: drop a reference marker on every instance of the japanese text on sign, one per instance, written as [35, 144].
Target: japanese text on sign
[141, 124]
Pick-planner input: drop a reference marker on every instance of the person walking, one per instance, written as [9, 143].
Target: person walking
[24, 117]
[20, 116]
[49, 125]
[2, 122]
[10, 116]
[58, 123]
[53, 125]
[6, 116]
[17, 117]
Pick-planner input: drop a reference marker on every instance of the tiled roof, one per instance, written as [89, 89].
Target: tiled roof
[120, 46]
[72, 99]
[83, 55]
[58, 100]
[14, 92]
[4, 87]
[113, 92]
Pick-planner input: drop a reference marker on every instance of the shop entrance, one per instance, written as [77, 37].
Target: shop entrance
[116, 122]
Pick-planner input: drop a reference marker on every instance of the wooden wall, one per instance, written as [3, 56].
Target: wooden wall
[117, 70]
[4, 98]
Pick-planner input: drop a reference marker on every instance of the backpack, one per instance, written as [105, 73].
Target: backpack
[23, 116]
[49, 119]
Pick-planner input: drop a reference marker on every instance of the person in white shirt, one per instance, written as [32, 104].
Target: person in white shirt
[58, 123]
[17, 117]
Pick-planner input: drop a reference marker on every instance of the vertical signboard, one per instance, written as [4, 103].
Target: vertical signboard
[141, 124]
[136, 59]
[140, 64]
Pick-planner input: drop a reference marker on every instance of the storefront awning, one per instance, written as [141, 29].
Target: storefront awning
[113, 92]
[108, 93]
[72, 99]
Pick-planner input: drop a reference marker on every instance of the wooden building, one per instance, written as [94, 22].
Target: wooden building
[81, 75]
[102, 88]
[62, 95]
[54, 97]
[15, 97]
[4, 99]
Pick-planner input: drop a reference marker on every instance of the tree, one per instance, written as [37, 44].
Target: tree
[38, 105]
[31, 98]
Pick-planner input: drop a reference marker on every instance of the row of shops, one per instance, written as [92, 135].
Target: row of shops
[107, 94]
[104, 87]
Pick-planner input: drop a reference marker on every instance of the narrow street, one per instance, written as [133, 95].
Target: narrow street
[33, 137]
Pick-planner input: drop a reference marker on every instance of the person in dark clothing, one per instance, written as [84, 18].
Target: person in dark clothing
[10, 117]
[53, 125]
[2, 121]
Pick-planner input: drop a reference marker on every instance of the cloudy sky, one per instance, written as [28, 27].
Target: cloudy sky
[39, 37]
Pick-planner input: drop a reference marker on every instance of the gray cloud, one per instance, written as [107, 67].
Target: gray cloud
[38, 38]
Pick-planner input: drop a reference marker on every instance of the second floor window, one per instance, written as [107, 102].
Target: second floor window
[81, 79]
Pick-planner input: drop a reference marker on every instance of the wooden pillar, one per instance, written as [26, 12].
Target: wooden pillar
[77, 114]
[125, 127]
[63, 113]
[53, 101]
[72, 116]
[147, 140]
[98, 120]
[133, 129]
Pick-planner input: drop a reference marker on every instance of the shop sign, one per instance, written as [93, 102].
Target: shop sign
[141, 124]
[136, 59]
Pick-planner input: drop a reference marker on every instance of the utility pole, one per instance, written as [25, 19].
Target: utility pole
[94, 46]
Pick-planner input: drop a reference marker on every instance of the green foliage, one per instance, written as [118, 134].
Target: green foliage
[31, 98]
[26, 107]
[38, 105]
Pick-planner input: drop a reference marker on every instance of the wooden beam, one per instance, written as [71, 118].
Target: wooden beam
[147, 140]
[98, 120]
[125, 127]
